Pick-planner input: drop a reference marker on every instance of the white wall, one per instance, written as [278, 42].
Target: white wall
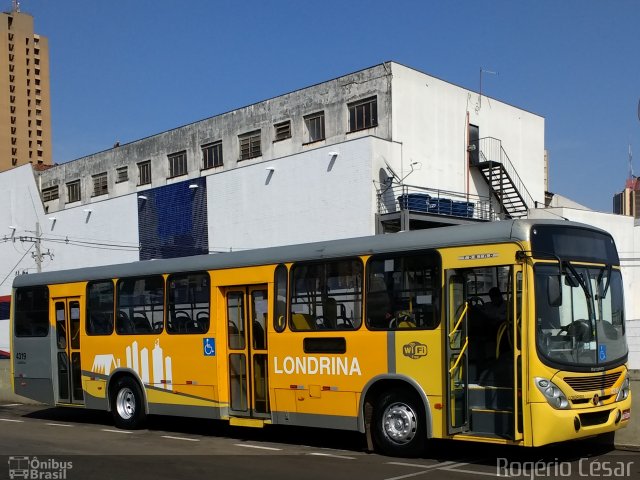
[97, 238]
[21, 208]
[101, 233]
[430, 120]
[309, 197]
[627, 238]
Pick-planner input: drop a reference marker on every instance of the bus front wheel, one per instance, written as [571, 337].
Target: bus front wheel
[399, 424]
[127, 404]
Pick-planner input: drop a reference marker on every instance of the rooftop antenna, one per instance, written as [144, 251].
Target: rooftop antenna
[15, 6]
[482, 70]
[631, 175]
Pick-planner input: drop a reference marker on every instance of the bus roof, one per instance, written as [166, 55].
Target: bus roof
[490, 232]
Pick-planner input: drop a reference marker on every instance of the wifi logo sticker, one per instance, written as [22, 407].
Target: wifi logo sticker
[414, 350]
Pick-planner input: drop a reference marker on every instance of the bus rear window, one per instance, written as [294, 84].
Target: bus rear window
[32, 312]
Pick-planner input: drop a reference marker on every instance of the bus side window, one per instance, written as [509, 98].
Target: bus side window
[280, 304]
[188, 303]
[326, 295]
[140, 304]
[403, 291]
[32, 312]
[100, 300]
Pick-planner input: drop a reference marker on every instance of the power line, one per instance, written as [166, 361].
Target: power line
[14, 267]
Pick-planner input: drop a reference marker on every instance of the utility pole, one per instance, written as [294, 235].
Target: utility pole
[38, 254]
[37, 241]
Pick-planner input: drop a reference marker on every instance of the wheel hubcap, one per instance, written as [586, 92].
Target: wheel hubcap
[126, 403]
[399, 423]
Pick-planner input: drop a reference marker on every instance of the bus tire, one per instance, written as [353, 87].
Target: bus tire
[399, 424]
[127, 404]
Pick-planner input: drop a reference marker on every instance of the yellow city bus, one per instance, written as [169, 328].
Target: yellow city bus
[511, 332]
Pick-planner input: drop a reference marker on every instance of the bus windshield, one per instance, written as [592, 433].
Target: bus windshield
[579, 315]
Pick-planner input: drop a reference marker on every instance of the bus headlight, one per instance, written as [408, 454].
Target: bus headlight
[552, 393]
[623, 394]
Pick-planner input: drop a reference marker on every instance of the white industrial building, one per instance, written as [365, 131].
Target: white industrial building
[383, 149]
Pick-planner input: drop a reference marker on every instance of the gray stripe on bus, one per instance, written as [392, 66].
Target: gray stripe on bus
[391, 351]
[313, 420]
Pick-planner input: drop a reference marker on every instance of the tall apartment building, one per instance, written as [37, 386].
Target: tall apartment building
[627, 202]
[25, 119]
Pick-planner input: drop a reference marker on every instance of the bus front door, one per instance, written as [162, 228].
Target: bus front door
[457, 358]
[69, 372]
[247, 349]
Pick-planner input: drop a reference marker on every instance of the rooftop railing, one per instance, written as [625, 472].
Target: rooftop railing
[394, 197]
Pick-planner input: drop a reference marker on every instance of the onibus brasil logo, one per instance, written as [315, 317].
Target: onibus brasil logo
[38, 469]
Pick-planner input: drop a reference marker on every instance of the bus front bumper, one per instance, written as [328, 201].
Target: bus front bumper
[550, 425]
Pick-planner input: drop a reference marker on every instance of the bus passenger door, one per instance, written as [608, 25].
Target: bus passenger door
[69, 372]
[516, 336]
[457, 363]
[247, 343]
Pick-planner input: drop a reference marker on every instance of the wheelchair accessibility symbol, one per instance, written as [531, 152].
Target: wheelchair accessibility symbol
[209, 347]
[602, 352]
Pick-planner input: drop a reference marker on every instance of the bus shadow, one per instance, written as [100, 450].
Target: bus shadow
[71, 415]
[349, 441]
[489, 454]
[284, 434]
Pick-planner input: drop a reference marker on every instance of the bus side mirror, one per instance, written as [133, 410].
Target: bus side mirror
[554, 291]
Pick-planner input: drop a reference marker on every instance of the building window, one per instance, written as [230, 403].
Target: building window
[122, 174]
[250, 145]
[314, 125]
[283, 130]
[178, 164]
[212, 155]
[73, 191]
[363, 114]
[144, 173]
[50, 193]
[100, 184]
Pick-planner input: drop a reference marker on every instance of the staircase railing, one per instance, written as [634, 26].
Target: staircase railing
[490, 150]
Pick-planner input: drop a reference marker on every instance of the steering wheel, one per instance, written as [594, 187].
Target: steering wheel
[396, 322]
[475, 301]
[579, 329]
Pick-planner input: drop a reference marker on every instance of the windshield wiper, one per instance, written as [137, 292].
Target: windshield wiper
[606, 269]
[578, 278]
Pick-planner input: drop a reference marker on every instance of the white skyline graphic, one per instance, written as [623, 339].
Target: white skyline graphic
[159, 373]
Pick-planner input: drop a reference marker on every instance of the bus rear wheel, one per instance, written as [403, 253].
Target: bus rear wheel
[127, 404]
[399, 424]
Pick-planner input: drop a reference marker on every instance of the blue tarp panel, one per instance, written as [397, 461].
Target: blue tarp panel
[172, 222]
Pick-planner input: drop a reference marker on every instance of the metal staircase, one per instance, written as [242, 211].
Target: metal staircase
[488, 156]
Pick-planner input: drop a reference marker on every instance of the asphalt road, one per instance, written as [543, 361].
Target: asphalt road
[62, 443]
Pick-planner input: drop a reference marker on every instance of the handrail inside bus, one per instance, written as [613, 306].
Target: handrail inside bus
[455, 365]
[462, 314]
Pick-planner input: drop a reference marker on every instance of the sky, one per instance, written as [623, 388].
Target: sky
[122, 70]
